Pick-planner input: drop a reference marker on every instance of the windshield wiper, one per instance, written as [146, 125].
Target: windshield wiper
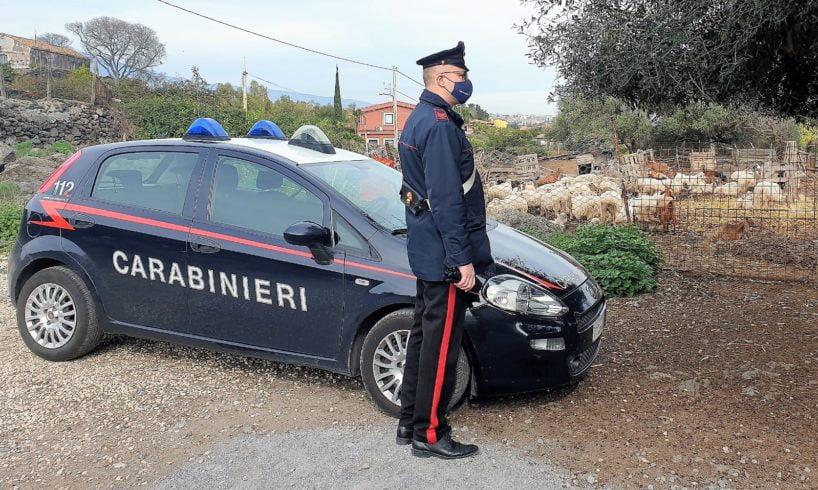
[399, 231]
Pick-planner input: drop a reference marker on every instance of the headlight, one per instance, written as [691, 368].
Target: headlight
[512, 293]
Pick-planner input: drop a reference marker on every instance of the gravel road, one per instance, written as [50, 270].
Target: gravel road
[358, 458]
[706, 382]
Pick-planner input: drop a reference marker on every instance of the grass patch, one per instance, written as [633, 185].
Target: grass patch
[27, 149]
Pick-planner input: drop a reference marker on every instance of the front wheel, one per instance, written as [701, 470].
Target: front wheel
[382, 360]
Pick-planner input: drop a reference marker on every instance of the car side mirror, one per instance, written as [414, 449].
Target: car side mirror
[312, 235]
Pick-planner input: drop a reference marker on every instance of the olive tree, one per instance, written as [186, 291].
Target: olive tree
[659, 54]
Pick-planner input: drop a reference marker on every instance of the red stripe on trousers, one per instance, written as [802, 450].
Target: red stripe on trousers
[431, 432]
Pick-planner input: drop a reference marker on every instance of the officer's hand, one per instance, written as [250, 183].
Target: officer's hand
[466, 277]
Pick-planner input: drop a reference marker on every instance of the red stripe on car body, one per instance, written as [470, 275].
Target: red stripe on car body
[53, 209]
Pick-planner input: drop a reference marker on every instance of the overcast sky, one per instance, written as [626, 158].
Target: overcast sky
[382, 32]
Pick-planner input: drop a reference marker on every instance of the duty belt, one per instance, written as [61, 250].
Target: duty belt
[412, 199]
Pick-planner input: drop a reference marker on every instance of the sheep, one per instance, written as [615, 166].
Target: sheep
[514, 203]
[646, 185]
[645, 207]
[745, 201]
[604, 207]
[746, 179]
[554, 198]
[499, 191]
[767, 192]
[729, 189]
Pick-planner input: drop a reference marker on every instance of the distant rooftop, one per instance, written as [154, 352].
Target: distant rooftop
[43, 46]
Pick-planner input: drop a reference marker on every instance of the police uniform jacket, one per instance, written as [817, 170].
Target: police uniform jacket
[436, 159]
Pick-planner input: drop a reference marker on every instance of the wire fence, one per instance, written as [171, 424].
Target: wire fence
[749, 213]
[44, 82]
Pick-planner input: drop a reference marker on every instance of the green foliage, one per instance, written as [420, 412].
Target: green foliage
[11, 214]
[584, 124]
[472, 111]
[9, 191]
[7, 73]
[516, 140]
[62, 147]
[23, 149]
[657, 55]
[26, 149]
[338, 108]
[621, 258]
[166, 108]
[169, 117]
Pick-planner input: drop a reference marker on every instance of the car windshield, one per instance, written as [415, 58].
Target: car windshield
[372, 186]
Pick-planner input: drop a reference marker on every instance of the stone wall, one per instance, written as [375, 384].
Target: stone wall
[46, 121]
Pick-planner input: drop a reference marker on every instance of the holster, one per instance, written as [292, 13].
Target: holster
[413, 200]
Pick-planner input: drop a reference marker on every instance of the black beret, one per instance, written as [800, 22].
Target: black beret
[452, 56]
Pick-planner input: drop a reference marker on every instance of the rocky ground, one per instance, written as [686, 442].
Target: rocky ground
[706, 382]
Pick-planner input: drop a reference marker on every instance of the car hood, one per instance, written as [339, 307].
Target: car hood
[517, 252]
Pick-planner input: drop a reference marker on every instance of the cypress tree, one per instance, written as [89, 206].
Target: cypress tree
[339, 109]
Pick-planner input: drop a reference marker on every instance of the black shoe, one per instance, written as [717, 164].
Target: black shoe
[445, 448]
[404, 435]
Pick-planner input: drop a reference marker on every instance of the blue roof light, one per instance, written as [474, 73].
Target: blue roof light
[206, 129]
[267, 130]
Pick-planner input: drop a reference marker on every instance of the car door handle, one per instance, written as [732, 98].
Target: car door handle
[204, 245]
[81, 220]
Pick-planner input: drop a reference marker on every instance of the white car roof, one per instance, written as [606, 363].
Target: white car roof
[295, 153]
[282, 148]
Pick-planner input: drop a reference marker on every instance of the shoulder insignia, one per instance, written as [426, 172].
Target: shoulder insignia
[440, 114]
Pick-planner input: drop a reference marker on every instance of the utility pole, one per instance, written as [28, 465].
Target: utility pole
[48, 77]
[395, 102]
[94, 68]
[244, 86]
[2, 82]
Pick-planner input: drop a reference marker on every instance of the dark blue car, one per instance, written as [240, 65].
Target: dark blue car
[283, 249]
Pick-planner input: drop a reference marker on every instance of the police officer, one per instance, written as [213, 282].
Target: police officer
[447, 246]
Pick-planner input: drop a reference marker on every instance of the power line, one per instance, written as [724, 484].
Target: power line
[407, 96]
[273, 83]
[233, 26]
[410, 78]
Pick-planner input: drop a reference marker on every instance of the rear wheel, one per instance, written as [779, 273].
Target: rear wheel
[383, 357]
[56, 315]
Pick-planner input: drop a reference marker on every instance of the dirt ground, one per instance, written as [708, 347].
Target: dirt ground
[706, 382]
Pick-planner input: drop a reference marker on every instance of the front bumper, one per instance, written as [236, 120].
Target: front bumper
[504, 361]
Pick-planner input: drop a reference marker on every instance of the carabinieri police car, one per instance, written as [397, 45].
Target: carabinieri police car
[290, 250]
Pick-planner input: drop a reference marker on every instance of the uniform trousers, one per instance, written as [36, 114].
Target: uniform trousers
[431, 359]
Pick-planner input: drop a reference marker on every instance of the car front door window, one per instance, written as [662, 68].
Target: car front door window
[254, 197]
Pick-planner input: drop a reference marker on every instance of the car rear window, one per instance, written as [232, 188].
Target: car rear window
[155, 180]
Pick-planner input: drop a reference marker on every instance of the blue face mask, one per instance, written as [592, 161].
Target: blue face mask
[462, 90]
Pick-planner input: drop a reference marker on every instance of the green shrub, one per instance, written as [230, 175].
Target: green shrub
[598, 239]
[10, 216]
[622, 259]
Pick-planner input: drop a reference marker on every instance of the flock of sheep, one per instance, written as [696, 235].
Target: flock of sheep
[603, 199]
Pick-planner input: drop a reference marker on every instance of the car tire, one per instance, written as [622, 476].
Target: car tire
[56, 315]
[392, 327]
